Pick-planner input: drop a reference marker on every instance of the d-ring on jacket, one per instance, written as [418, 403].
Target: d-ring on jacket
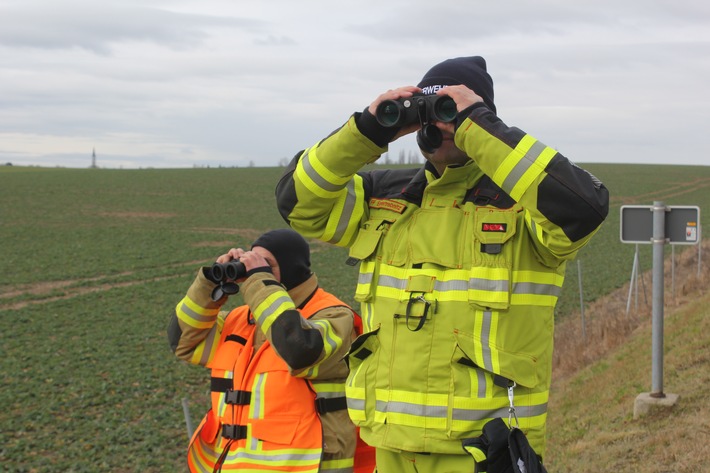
[459, 275]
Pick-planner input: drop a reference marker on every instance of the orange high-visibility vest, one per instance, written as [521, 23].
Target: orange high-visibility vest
[262, 418]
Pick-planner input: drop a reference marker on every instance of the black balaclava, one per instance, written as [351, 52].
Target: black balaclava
[469, 71]
[292, 253]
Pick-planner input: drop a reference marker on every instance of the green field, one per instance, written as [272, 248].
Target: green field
[93, 262]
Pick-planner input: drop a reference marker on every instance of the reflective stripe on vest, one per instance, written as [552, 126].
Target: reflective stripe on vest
[266, 418]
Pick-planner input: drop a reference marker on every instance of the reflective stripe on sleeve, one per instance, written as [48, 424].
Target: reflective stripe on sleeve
[195, 316]
[522, 166]
[271, 307]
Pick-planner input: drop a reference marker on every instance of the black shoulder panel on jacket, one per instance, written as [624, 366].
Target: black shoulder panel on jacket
[286, 189]
[298, 347]
[572, 198]
[490, 122]
[407, 184]
[487, 192]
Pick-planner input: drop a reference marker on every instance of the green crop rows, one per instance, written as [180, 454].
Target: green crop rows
[94, 261]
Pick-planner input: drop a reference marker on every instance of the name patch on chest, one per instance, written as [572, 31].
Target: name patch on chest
[387, 204]
[494, 227]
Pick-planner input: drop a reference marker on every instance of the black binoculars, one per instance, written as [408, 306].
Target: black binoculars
[229, 271]
[425, 109]
[419, 107]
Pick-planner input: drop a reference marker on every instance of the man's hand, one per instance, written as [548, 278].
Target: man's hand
[254, 260]
[462, 95]
[394, 94]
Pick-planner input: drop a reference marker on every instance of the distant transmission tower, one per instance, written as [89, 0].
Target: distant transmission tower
[93, 159]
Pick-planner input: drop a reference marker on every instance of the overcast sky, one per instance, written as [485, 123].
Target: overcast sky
[183, 83]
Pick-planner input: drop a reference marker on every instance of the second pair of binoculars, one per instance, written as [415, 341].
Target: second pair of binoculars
[417, 108]
[229, 271]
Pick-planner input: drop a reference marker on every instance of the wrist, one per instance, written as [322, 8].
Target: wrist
[368, 125]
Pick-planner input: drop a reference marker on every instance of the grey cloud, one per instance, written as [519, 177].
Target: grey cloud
[97, 27]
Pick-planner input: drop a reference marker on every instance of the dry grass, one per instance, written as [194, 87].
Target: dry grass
[596, 380]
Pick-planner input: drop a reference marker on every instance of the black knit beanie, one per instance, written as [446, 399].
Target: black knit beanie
[292, 253]
[469, 71]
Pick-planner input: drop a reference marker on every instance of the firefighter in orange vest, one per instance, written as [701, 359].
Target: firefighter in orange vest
[277, 385]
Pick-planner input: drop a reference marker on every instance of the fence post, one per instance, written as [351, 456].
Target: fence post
[581, 298]
[188, 419]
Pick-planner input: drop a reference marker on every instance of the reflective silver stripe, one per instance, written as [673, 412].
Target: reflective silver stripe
[481, 378]
[328, 335]
[537, 288]
[328, 394]
[481, 414]
[256, 404]
[485, 340]
[490, 285]
[419, 410]
[347, 213]
[316, 178]
[364, 278]
[185, 309]
[523, 165]
[209, 342]
[355, 404]
[390, 281]
[453, 285]
[273, 307]
[281, 457]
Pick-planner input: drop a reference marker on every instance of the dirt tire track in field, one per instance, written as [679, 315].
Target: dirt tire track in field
[74, 287]
[666, 193]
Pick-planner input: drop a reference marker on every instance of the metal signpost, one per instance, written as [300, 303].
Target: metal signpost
[657, 225]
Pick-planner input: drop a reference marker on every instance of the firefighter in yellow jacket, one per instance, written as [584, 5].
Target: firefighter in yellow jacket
[277, 363]
[460, 262]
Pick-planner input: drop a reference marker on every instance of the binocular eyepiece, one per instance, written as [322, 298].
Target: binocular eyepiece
[229, 271]
[417, 108]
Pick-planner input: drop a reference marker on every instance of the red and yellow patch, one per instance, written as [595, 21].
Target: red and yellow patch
[388, 204]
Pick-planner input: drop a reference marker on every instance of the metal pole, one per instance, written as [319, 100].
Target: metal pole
[673, 272]
[188, 419]
[659, 240]
[581, 298]
[631, 283]
[636, 281]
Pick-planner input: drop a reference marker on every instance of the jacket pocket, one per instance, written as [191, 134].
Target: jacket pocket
[491, 271]
[280, 430]
[367, 239]
[437, 235]
[359, 389]
[363, 250]
[519, 367]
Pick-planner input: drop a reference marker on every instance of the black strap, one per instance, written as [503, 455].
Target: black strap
[221, 385]
[234, 431]
[331, 404]
[236, 338]
[239, 398]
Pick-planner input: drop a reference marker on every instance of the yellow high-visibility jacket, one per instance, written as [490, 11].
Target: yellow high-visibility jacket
[459, 275]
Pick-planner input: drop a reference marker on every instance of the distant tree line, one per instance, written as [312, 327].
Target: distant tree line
[404, 157]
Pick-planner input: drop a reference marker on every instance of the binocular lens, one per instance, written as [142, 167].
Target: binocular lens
[445, 110]
[218, 272]
[389, 113]
[235, 270]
